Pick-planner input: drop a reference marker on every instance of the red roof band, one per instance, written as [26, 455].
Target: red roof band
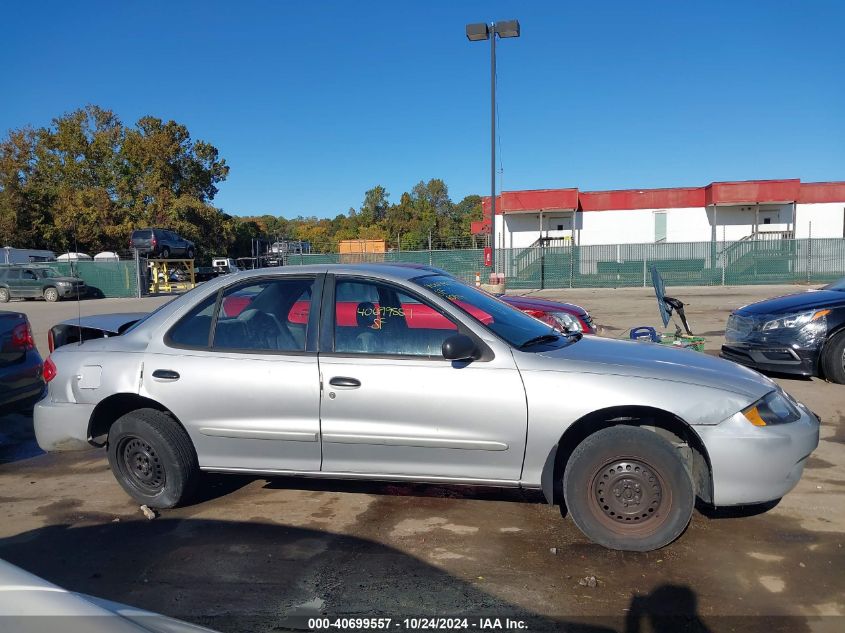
[717, 193]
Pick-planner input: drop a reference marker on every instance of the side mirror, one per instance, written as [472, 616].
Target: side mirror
[460, 347]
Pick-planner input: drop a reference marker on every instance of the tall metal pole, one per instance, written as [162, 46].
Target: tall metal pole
[493, 146]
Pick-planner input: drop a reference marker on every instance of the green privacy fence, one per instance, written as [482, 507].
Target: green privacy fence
[599, 266]
[751, 261]
[104, 279]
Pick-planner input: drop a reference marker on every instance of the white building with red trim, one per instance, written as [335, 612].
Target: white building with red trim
[720, 211]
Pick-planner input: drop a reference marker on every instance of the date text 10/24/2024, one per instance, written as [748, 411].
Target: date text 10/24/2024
[421, 623]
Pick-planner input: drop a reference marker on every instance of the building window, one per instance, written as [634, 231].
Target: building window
[659, 227]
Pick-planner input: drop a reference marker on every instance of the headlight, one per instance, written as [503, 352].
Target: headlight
[63, 284]
[773, 409]
[568, 322]
[796, 321]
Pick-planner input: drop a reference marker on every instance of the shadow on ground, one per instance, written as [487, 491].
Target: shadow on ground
[250, 576]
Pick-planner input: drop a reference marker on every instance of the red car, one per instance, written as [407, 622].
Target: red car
[562, 316]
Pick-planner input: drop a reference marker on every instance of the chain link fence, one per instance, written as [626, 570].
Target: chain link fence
[601, 266]
[623, 265]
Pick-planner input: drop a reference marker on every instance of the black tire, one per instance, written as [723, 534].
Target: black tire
[5, 295]
[833, 359]
[190, 253]
[153, 458]
[627, 489]
[51, 294]
[165, 253]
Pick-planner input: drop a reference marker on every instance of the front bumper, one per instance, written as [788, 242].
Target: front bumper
[753, 464]
[62, 426]
[72, 291]
[773, 358]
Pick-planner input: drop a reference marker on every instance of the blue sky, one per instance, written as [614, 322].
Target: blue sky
[312, 103]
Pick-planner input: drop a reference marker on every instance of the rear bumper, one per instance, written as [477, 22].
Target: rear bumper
[62, 426]
[753, 464]
[776, 359]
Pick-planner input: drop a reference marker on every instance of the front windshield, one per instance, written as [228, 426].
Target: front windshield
[839, 284]
[515, 327]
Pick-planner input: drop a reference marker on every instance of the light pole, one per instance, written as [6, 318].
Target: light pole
[475, 33]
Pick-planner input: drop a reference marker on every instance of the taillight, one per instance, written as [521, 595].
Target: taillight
[51, 342]
[49, 372]
[22, 337]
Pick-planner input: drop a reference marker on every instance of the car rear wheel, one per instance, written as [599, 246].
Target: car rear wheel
[165, 253]
[153, 458]
[627, 489]
[833, 359]
[4, 295]
[51, 295]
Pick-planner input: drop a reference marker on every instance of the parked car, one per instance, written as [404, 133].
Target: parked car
[424, 379]
[204, 273]
[29, 282]
[566, 317]
[30, 604]
[801, 333]
[21, 383]
[162, 243]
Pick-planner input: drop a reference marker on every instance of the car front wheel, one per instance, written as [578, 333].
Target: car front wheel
[153, 458]
[833, 359]
[627, 489]
[51, 295]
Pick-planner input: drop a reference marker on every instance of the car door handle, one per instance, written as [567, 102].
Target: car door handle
[344, 381]
[166, 374]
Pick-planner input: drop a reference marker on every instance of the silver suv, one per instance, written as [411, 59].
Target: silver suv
[395, 373]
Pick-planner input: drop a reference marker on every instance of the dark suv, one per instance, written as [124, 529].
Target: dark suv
[28, 282]
[161, 243]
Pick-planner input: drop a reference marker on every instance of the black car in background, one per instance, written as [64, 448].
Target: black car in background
[21, 380]
[802, 333]
[162, 243]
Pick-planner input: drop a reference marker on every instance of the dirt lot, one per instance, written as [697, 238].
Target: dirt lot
[255, 552]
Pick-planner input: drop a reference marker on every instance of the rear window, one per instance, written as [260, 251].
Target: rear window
[142, 235]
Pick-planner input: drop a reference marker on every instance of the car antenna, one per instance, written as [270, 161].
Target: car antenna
[78, 298]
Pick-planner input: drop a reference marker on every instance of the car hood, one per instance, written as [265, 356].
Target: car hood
[797, 302]
[596, 355]
[529, 303]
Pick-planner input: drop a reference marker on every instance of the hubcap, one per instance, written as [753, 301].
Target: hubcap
[627, 492]
[142, 465]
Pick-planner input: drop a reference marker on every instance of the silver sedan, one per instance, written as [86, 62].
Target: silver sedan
[396, 373]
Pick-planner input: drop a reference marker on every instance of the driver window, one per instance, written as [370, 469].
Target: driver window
[268, 315]
[28, 274]
[379, 319]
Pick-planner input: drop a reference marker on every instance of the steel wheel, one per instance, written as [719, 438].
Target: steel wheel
[628, 496]
[141, 465]
[627, 488]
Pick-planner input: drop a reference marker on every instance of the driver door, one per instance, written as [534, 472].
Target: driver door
[392, 405]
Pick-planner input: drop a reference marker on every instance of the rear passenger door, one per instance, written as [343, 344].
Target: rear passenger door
[30, 284]
[240, 372]
[392, 405]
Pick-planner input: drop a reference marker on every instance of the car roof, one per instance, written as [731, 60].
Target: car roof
[385, 269]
